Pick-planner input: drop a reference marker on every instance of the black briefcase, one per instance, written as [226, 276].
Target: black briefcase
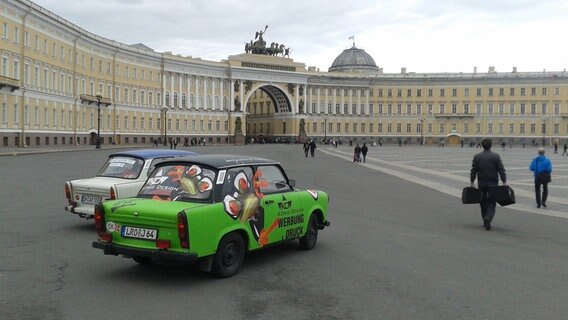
[471, 195]
[504, 195]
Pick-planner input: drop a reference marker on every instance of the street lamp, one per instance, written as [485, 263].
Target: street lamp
[246, 126]
[421, 118]
[325, 116]
[165, 111]
[99, 98]
[544, 118]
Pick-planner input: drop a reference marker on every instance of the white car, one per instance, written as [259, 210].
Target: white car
[121, 176]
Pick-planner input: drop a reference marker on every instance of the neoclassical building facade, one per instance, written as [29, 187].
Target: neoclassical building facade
[60, 84]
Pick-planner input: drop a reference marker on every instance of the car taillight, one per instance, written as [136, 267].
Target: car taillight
[112, 193]
[106, 236]
[68, 192]
[99, 219]
[183, 230]
[163, 244]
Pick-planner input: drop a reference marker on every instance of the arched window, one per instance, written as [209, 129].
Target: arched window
[167, 98]
[183, 100]
[208, 102]
[200, 101]
[192, 101]
[175, 99]
[225, 103]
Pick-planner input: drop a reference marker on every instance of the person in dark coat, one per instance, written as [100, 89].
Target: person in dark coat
[357, 154]
[487, 167]
[313, 147]
[306, 148]
[364, 151]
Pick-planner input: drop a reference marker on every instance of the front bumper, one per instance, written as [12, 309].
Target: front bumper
[156, 255]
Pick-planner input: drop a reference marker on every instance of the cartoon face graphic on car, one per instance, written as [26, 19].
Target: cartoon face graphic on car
[242, 202]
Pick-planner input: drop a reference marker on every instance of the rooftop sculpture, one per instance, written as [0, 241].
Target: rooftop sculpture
[258, 46]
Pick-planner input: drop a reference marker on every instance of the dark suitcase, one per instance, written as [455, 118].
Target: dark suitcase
[471, 195]
[504, 195]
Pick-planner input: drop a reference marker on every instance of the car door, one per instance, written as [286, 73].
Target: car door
[283, 216]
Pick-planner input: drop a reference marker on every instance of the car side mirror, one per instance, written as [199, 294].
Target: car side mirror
[292, 182]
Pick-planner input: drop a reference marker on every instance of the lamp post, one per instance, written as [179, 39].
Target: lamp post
[246, 126]
[99, 98]
[325, 116]
[421, 118]
[544, 118]
[164, 110]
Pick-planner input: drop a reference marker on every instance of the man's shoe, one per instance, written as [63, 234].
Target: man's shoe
[487, 224]
[544, 205]
[538, 206]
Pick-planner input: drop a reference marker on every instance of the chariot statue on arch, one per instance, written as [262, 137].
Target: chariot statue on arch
[258, 46]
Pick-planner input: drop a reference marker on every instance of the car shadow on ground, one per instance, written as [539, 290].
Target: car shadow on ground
[181, 275]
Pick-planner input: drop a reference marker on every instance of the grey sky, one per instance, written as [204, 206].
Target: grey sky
[421, 35]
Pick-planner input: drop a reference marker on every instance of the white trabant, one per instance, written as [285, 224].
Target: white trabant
[122, 176]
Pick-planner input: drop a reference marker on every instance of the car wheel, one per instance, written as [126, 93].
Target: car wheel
[143, 260]
[229, 256]
[308, 241]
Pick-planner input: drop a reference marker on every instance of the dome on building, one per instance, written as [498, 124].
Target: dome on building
[354, 59]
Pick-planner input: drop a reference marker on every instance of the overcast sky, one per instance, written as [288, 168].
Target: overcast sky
[421, 35]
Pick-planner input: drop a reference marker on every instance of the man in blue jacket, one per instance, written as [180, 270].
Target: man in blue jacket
[542, 168]
[487, 167]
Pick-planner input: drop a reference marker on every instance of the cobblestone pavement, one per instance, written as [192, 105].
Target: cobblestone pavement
[446, 169]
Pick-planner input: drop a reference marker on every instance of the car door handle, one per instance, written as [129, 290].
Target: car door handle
[269, 202]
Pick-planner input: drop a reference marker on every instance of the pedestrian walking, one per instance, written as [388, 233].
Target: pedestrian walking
[487, 167]
[541, 166]
[565, 150]
[306, 148]
[555, 147]
[364, 151]
[357, 154]
[313, 147]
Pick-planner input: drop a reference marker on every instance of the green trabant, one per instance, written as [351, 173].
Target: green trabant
[210, 209]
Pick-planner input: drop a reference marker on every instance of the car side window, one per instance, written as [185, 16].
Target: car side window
[271, 179]
[237, 180]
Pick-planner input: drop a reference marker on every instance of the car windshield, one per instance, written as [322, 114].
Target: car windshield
[187, 182]
[122, 167]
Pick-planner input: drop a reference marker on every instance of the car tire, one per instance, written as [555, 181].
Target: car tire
[309, 240]
[229, 256]
[144, 261]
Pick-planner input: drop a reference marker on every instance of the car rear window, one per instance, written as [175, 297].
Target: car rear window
[122, 167]
[180, 183]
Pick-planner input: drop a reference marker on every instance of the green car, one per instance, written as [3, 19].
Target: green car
[210, 209]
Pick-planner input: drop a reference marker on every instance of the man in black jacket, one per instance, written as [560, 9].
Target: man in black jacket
[487, 167]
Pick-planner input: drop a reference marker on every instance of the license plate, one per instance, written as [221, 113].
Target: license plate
[139, 233]
[88, 199]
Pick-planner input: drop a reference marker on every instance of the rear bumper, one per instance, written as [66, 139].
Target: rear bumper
[156, 255]
[83, 211]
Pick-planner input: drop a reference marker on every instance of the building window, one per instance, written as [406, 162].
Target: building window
[512, 92]
[442, 92]
[454, 92]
